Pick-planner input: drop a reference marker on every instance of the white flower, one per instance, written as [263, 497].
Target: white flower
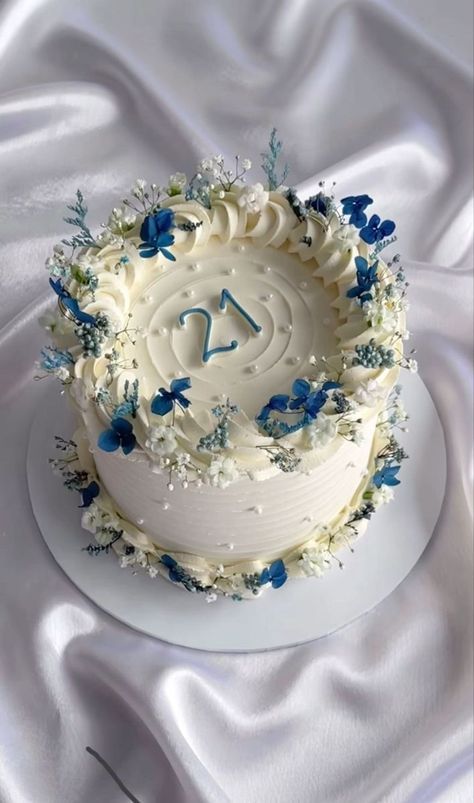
[222, 471]
[212, 164]
[381, 496]
[346, 236]
[121, 219]
[210, 596]
[412, 366]
[369, 393]
[246, 164]
[253, 198]
[62, 374]
[152, 571]
[82, 393]
[381, 315]
[322, 431]
[313, 562]
[176, 182]
[127, 560]
[91, 518]
[161, 440]
[139, 187]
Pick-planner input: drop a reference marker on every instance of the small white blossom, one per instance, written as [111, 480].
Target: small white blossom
[222, 471]
[246, 164]
[212, 164]
[127, 560]
[62, 374]
[121, 219]
[382, 495]
[253, 198]
[412, 366]
[161, 440]
[346, 237]
[176, 182]
[313, 562]
[210, 596]
[381, 314]
[369, 393]
[322, 431]
[91, 518]
[152, 571]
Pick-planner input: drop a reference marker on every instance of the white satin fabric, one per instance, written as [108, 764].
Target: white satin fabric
[374, 95]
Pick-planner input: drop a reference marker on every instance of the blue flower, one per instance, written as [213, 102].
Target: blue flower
[89, 494]
[275, 574]
[386, 476]
[175, 571]
[164, 402]
[354, 205]
[310, 401]
[120, 435]
[366, 278]
[278, 402]
[71, 303]
[375, 231]
[155, 233]
[320, 203]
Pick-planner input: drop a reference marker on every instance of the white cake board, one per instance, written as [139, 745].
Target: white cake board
[300, 611]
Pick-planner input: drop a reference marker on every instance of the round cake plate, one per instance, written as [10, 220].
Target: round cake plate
[303, 609]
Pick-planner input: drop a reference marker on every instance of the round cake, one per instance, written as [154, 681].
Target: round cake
[233, 355]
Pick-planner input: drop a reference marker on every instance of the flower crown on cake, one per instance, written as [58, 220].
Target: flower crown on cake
[294, 423]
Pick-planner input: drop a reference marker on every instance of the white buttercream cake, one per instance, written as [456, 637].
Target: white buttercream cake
[232, 354]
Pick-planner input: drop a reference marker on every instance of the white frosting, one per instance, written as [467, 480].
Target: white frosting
[296, 293]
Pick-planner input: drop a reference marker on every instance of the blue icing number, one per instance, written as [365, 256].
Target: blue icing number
[226, 296]
[207, 353]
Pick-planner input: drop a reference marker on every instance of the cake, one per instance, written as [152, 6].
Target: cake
[232, 353]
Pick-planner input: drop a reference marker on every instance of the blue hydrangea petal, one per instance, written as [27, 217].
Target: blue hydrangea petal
[128, 443]
[147, 251]
[162, 404]
[277, 582]
[108, 441]
[368, 235]
[164, 220]
[168, 561]
[300, 387]
[149, 229]
[89, 494]
[121, 426]
[167, 254]
[165, 238]
[265, 577]
[387, 228]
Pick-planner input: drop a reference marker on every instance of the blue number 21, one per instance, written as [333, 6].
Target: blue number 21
[226, 297]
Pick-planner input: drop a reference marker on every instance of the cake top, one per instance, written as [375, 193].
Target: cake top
[222, 329]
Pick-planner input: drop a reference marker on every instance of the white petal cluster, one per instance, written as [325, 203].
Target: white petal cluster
[313, 562]
[120, 220]
[369, 393]
[382, 495]
[176, 183]
[322, 431]
[253, 198]
[381, 315]
[222, 471]
[212, 164]
[161, 440]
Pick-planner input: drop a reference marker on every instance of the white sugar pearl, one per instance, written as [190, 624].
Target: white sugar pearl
[140, 521]
[230, 271]
[267, 269]
[178, 374]
[189, 293]
[253, 368]
[287, 327]
[162, 331]
[165, 506]
[308, 518]
[170, 486]
[147, 299]
[241, 248]
[258, 509]
[295, 360]
[185, 484]
[303, 285]
[195, 266]
[267, 297]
